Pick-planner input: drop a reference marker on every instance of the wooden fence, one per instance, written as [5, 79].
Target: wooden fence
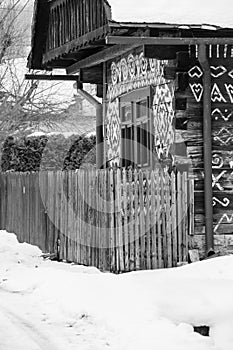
[112, 219]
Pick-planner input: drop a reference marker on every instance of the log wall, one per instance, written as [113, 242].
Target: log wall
[221, 64]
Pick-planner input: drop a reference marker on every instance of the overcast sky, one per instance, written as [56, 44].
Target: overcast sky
[219, 12]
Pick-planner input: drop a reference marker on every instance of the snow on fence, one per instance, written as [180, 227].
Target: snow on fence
[112, 219]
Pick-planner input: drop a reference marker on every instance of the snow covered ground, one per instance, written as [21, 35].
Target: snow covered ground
[56, 306]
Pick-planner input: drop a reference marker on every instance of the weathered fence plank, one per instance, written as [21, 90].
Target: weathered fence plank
[158, 193]
[112, 226]
[179, 216]
[136, 222]
[168, 220]
[154, 254]
[131, 223]
[174, 219]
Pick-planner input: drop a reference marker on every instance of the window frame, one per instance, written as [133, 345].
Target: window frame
[131, 127]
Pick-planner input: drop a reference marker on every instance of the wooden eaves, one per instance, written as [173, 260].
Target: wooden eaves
[123, 44]
[100, 57]
[52, 77]
[123, 40]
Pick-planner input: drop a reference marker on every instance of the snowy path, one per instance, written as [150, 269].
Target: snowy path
[24, 325]
[18, 332]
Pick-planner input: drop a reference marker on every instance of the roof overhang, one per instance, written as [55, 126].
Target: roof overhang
[90, 49]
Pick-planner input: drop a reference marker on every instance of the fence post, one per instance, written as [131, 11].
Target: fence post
[132, 216]
[174, 220]
[112, 224]
[148, 230]
[125, 220]
[168, 219]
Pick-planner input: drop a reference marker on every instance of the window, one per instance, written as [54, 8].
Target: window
[136, 129]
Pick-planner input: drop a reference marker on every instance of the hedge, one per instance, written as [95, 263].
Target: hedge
[53, 152]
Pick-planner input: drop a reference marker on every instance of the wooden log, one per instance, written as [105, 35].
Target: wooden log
[221, 243]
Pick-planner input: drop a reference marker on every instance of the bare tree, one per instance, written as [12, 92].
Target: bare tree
[24, 105]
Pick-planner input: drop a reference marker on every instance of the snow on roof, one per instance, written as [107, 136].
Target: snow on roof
[174, 11]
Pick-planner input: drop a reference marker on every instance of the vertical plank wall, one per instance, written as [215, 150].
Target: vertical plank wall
[113, 219]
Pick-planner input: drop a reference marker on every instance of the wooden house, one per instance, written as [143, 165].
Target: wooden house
[167, 93]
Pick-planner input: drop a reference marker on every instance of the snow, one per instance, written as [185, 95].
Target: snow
[45, 304]
[66, 134]
[171, 11]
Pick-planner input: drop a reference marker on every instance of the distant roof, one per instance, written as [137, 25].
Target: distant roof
[219, 13]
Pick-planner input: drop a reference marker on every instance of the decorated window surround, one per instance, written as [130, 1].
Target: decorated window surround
[130, 73]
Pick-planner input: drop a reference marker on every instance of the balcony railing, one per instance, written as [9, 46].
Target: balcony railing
[71, 19]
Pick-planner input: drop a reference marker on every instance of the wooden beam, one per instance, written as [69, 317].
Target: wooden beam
[92, 75]
[100, 57]
[162, 52]
[207, 133]
[51, 77]
[100, 90]
[130, 40]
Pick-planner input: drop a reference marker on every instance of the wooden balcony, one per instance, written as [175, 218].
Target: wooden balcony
[70, 20]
